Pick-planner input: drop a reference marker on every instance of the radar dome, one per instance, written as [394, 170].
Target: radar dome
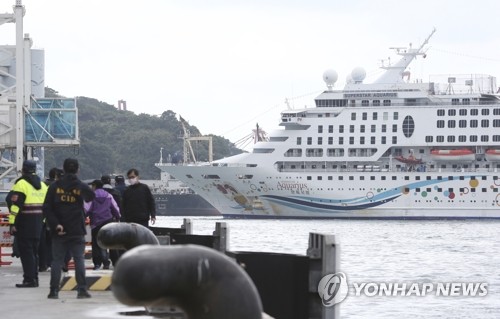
[358, 74]
[330, 76]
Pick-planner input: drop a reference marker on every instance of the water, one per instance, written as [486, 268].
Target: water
[387, 251]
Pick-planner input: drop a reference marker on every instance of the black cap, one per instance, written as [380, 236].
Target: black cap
[106, 179]
[29, 167]
[70, 165]
[119, 178]
[97, 183]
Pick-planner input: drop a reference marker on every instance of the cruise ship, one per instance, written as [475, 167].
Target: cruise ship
[393, 148]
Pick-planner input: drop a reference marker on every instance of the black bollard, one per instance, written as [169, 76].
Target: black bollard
[202, 282]
[125, 236]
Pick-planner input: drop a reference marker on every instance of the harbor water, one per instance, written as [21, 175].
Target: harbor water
[387, 251]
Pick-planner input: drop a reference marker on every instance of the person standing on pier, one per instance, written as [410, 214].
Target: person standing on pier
[63, 208]
[25, 202]
[138, 201]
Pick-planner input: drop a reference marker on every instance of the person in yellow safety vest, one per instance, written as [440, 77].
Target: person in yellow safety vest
[25, 201]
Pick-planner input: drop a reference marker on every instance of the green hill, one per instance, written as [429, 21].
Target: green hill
[113, 141]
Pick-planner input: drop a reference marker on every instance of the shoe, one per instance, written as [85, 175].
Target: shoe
[105, 267]
[97, 267]
[32, 284]
[83, 294]
[42, 269]
[53, 294]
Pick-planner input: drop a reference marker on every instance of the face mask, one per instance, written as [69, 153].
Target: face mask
[132, 181]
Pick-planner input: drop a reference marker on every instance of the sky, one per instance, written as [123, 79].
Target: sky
[227, 65]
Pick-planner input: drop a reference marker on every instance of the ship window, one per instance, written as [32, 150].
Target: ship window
[450, 178]
[320, 178]
[376, 103]
[451, 123]
[294, 152]
[407, 178]
[351, 139]
[373, 128]
[485, 112]
[341, 140]
[428, 139]
[394, 178]
[462, 112]
[452, 112]
[473, 123]
[362, 140]
[309, 140]
[394, 140]
[330, 178]
[483, 190]
[341, 178]
[353, 116]
[314, 152]
[496, 123]
[496, 138]
[309, 178]
[473, 138]
[384, 128]
[396, 115]
[383, 141]
[474, 112]
[462, 123]
[496, 111]
[320, 140]
[462, 138]
[341, 128]
[351, 178]
[299, 140]
[320, 128]
[189, 176]
[394, 128]
[362, 128]
[387, 102]
[383, 178]
[465, 101]
[365, 103]
[375, 114]
[440, 138]
[428, 178]
[361, 178]
[351, 128]
[330, 140]
[365, 116]
[211, 176]
[451, 138]
[484, 138]
[440, 112]
[440, 124]
[408, 126]
[455, 101]
[372, 139]
[485, 123]
[330, 128]
[385, 116]
[263, 150]
[417, 178]
[245, 176]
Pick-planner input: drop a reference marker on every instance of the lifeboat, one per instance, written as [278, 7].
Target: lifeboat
[453, 155]
[492, 155]
[410, 160]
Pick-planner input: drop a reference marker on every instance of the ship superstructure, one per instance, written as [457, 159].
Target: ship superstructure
[388, 149]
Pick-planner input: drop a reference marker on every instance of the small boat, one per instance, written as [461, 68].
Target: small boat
[409, 160]
[453, 155]
[492, 155]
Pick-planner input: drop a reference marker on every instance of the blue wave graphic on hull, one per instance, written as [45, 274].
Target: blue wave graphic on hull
[298, 203]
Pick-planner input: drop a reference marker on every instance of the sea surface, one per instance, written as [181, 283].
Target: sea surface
[377, 251]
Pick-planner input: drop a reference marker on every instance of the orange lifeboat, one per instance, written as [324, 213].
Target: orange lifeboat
[453, 155]
[410, 160]
[492, 155]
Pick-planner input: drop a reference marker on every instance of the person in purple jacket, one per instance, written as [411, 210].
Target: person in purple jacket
[101, 211]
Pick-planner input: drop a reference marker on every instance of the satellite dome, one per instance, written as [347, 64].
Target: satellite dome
[330, 76]
[358, 74]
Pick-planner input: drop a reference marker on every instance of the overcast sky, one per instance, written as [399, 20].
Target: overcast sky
[227, 65]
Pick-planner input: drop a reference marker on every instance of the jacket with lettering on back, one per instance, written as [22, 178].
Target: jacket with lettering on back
[25, 202]
[64, 205]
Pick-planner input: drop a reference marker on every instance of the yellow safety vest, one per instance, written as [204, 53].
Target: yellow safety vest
[32, 203]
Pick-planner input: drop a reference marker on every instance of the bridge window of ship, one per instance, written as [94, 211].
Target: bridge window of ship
[365, 103]
[387, 102]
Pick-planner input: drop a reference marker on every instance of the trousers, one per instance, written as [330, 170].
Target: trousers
[61, 245]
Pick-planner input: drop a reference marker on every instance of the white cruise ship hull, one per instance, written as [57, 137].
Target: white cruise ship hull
[392, 195]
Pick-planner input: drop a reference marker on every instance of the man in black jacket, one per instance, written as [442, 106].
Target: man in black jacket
[63, 208]
[138, 201]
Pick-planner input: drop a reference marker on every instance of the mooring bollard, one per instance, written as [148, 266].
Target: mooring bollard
[202, 282]
[125, 236]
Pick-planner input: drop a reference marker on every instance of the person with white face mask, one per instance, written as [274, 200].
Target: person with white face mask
[138, 203]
